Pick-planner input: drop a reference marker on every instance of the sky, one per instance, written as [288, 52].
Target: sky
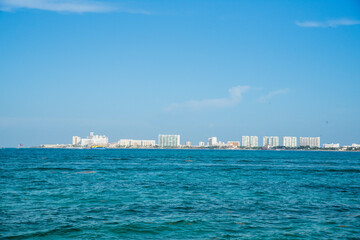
[198, 68]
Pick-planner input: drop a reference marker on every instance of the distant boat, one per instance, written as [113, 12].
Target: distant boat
[98, 147]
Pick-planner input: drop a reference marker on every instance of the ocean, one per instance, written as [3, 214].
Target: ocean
[178, 194]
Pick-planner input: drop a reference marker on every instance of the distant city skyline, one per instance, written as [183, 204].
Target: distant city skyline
[197, 68]
[173, 140]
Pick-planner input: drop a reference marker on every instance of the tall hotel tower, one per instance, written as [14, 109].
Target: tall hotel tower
[290, 142]
[254, 141]
[169, 140]
[272, 141]
[212, 141]
[310, 142]
[245, 141]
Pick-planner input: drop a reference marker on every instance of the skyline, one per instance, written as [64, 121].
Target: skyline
[138, 68]
[243, 141]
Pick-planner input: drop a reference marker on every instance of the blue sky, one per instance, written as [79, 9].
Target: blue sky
[134, 69]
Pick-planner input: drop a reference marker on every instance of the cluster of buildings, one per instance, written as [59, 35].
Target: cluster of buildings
[91, 140]
[102, 140]
[268, 142]
[173, 141]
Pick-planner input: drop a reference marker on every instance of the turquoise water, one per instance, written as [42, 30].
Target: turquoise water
[179, 194]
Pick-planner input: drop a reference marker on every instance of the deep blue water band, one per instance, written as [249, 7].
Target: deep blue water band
[178, 194]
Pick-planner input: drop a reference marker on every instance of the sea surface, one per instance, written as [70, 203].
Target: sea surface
[178, 194]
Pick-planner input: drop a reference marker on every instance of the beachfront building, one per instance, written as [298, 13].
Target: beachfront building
[212, 141]
[169, 140]
[290, 142]
[245, 141]
[234, 144]
[272, 141]
[310, 142]
[54, 145]
[93, 140]
[188, 144]
[136, 143]
[221, 144]
[354, 145]
[201, 144]
[331, 145]
[148, 143]
[76, 140]
[254, 141]
[124, 142]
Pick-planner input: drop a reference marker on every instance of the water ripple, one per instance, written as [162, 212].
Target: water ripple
[178, 194]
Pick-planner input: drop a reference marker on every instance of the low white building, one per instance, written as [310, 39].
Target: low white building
[129, 143]
[136, 143]
[148, 143]
[201, 144]
[221, 144]
[331, 145]
[55, 145]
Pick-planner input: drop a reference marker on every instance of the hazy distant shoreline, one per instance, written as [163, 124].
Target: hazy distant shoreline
[221, 149]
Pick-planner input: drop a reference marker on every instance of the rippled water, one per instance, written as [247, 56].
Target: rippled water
[179, 194]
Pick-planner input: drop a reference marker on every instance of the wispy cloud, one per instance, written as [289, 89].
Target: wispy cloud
[235, 96]
[67, 6]
[330, 23]
[273, 94]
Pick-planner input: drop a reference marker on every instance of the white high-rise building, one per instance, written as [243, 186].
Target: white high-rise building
[245, 141]
[213, 141]
[272, 141]
[254, 141]
[310, 142]
[315, 142]
[290, 142]
[304, 141]
[76, 140]
[276, 141]
[169, 140]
